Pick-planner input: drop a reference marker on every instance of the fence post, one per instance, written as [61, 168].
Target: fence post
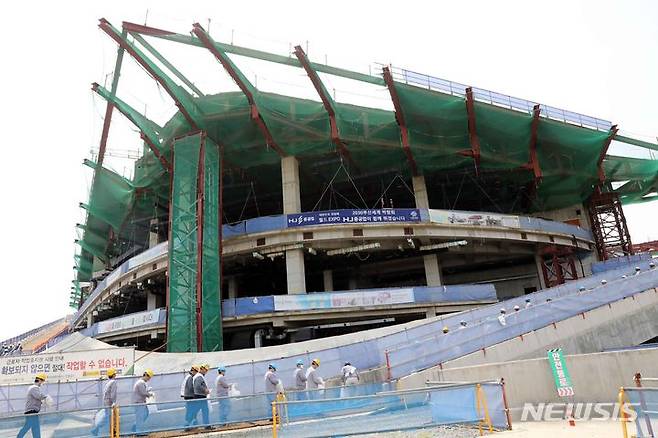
[643, 403]
[388, 367]
[274, 431]
[59, 384]
[624, 419]
[506, 405]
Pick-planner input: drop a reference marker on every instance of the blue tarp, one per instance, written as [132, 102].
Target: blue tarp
[618, 262]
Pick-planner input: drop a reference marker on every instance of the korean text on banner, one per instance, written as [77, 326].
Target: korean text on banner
[135, 320]
[560, 373]
[368, 216]
[66, 366]
[343, 299]
[449, 217]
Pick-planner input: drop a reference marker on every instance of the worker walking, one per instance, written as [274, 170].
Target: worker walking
[223, 388]
[109, 400]
[35, 396]
[187, 393]
[201, 392]
[272, 383]
[141, 391]
[299, 377]
[350, 375]
[313, 380]
[350, 378]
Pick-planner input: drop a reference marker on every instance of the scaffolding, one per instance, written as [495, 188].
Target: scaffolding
[609, 225]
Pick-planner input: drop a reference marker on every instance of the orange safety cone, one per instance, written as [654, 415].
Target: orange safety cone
[572, 421]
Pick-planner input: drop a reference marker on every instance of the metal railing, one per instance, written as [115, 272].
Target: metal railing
[498, 99]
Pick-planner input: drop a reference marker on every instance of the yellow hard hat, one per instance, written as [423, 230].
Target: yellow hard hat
[149, 372]
[195, 368]
[204, 366]
[41, 376]
[316, 361]
[111, 372]
[445, 329]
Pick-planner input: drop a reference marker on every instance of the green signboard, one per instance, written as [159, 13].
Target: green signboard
[560, 373]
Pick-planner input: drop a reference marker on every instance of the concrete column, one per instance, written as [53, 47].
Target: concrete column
[295, 270]
[430, 313]
[420, 192]
[232, 287]
[151, 300]
[433, 276]
[328, 277]
[540, 271]
[290, 180]
[90, 319]
[153, 236]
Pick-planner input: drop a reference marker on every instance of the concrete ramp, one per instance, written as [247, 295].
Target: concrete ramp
[626, 322]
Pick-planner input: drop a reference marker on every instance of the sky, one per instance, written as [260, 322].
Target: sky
[593, 57]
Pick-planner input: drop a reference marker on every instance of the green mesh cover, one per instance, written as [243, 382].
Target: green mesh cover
[211, 279]
[438, 132]
[181, 318]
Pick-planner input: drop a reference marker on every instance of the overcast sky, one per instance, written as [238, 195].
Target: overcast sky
[599, 58]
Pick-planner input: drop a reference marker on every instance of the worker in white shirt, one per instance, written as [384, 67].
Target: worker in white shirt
[313, 379]
[141, 391]
[350, 375]
[501, 317]
[223, 388]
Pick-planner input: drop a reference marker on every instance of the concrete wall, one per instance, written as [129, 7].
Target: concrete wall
[509, 281]
[627, 322]
[596, 377]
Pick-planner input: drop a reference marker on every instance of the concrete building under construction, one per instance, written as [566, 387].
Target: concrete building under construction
[256, 219]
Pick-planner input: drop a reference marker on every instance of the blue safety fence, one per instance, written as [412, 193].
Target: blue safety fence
[172, 415]
[63, 424]
[362, 353]
[644, 403]
[468, 404]
[421, 353]
[617, 262]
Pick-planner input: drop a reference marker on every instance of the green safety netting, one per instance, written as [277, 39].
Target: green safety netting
[211, 276]
[181, 323]
[438, 133]
[438, 128]
[183, 247]
[568, 158]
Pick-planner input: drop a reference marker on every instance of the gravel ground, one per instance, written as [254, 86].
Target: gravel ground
[433, 432]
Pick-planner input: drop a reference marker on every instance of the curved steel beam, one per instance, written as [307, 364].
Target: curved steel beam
[399, 117]
[149, 130]
[182, 99]
[243, 83]
[327, 102]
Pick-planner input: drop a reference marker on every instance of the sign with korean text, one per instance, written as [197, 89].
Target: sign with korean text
[479, 219]
[364, 216]
[560, 373]
[377, 297]
[135, 320]
[76, 365]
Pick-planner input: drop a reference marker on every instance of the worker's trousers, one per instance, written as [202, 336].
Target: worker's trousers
[31, 423]
[200, 404]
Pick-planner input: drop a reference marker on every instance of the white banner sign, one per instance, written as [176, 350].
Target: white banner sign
[343, 299]
[66, 366]
[129, 321]
[478, 219]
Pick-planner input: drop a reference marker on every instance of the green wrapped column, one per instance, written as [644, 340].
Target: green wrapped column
[194, 310]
